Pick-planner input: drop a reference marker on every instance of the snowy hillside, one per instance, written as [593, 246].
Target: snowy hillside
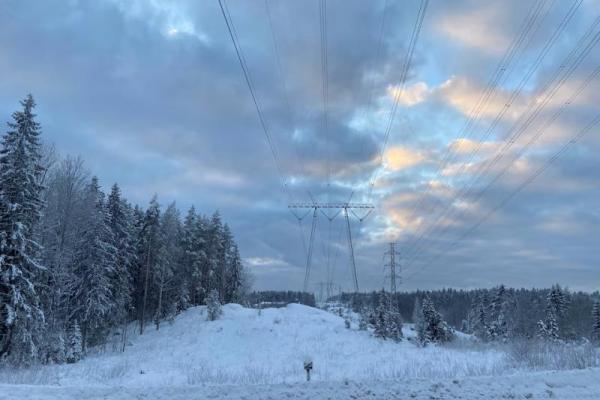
[245, 347]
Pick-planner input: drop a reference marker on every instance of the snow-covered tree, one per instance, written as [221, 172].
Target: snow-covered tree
[381, 329]
[394, 324]
[596, 322]
[498, 327]
[21, 317]
[58, 230]
[150, 253]
[213, 305]
[119, 221]
[433, 328]
[557, 301]
[55, 348]
[548, 329]
[233, 269]
[166, 267]
[480, 327]
[74, 350]
[363, 320]
[212, 274]
[92, 298]
[193, 255]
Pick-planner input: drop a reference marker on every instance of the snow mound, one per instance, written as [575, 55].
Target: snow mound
[248, 346]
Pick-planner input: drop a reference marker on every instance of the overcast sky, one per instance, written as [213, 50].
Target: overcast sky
[150, 93]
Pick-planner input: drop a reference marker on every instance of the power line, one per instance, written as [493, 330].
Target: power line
[521, 124]
[248, 79]
[406, 66]
[282, 77]
[515, 192]
[488, 93]
[325, 82]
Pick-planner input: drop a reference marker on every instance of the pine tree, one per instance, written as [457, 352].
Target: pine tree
[74, 350]
[395, 324]
[381, 316]
[481, 328]
[363, 320]
[56, 348]
[120, 220]
[21, 318]
[548, 329]
[497, 329]
[215, 255]
[150, 248]
[193, 255]
[419, 321]
[213, 305]
[92, 300]
[557, 303]
[596, 322]
[434, 328]
[233, 269]
[165, 268]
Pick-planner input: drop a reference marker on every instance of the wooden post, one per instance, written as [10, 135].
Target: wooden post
[308, 365]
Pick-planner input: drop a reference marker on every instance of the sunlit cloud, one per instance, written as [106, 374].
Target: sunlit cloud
[411, 95]
[479, 28]
[398, 158]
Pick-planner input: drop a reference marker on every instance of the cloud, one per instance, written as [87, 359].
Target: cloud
[398, 158]
[150, 93]
[467, 146]
[411, 95]
[464, 95]
[480, 28]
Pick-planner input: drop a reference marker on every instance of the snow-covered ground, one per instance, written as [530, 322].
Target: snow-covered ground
[250, 355]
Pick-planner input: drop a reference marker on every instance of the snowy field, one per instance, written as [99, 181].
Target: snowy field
[250, 355]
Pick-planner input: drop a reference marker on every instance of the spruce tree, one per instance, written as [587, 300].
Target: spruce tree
[363, 320]
[149, 243]
[596, 322]
[481, 326]
[165, 268]
[74, 349]
[92, 296]
[21, 317]
[434, 328]
[395, 324]
[193, 255]
[119, 221]
[381, 329]
[213, 305]
[497, 329]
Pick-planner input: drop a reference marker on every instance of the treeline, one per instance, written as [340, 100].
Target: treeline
[502, 313]
[78, 265]
[255, 299]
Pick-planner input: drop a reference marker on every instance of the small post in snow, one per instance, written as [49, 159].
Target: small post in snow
[308, 365]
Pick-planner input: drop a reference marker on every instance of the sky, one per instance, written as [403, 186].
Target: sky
[151, 94]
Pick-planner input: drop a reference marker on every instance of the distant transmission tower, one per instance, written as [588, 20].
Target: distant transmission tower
[394, 267]
[347, 209]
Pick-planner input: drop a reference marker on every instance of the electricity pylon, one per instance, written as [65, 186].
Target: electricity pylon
[346, 208]
[394, 267]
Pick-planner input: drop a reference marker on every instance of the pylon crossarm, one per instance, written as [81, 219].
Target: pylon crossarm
[330, 218]
[332, 205]
[297, 216]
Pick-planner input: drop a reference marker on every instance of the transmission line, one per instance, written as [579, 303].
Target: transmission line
[489, 92]
[406, 66]
[515, 192]
[282, 77]
[248, 79]
[521, 124]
